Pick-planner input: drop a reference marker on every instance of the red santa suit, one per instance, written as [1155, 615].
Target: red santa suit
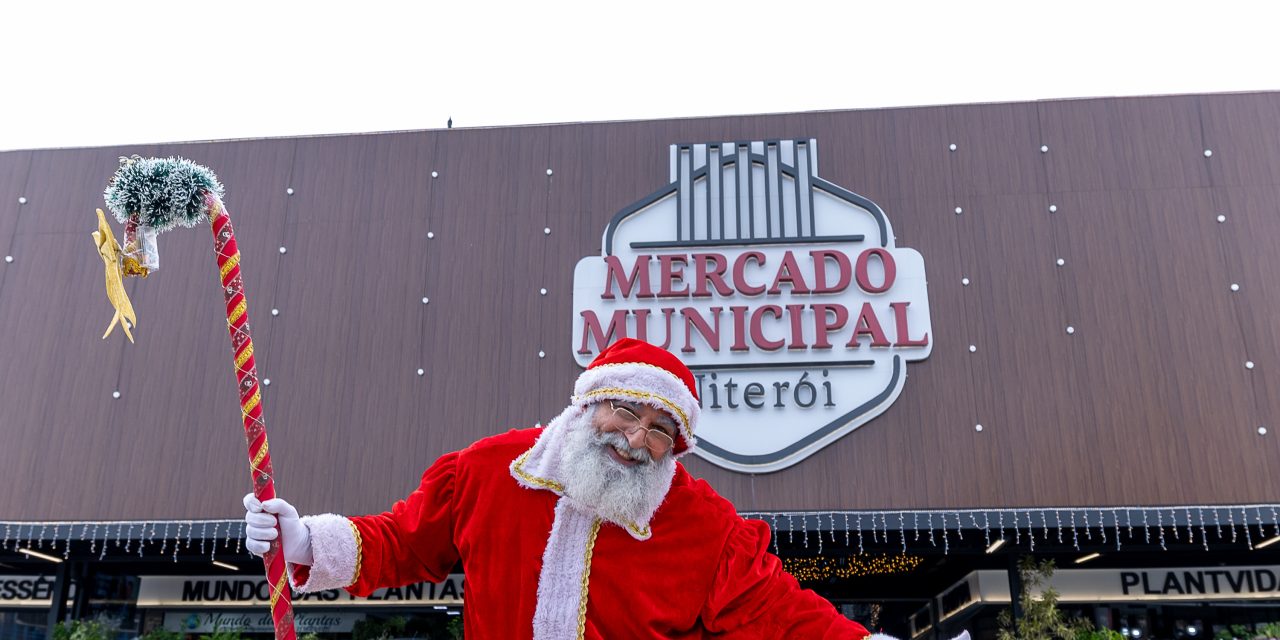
[540, 565]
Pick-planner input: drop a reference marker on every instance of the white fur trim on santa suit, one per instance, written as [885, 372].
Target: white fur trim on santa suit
[643, 383]
[335, 551]
[566, 572]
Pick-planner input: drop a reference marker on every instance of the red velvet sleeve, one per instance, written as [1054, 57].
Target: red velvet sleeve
[414, 540]
[752, 597]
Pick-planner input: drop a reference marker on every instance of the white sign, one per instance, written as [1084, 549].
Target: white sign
[29, 591]
[784, 293]
[223, 592]
[255, 622]
[1124, 585]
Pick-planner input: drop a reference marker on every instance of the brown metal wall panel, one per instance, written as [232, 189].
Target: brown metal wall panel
[1123, 143]
[918, 453]
[1016, 319]
[893, 153]
[1248, 239]
[133, 446]
[1147, 403]
[56, 376]
[1243, 132]
[1154, 355]
[353, 276]
[14, 167]
[484, 329]
[997, 150]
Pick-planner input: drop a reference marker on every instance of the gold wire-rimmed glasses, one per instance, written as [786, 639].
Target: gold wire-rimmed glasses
[628, 423]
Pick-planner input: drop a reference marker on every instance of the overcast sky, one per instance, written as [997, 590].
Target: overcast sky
[131, 72]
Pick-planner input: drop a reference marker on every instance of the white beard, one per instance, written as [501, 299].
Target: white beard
[622, 494]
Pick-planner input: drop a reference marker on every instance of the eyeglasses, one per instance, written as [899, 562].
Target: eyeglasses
[628, 423]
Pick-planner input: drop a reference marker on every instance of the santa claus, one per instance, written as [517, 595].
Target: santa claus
[586, 528]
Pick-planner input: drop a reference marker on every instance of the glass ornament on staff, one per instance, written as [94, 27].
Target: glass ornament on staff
[150, 196]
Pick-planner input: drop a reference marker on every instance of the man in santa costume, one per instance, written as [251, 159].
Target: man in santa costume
[585, 528]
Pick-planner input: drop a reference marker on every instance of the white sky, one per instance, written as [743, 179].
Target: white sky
[131, 72]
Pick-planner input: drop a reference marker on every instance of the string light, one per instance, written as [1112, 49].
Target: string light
[1031, 535]
[39, 535]
[1248, 537]
[825, 567]
[1075, 533]
[1161, 517]
[775, 532]
[902, 530]
[1204, 537]
[859, 533]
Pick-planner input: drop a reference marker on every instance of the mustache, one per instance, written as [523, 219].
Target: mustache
[618, 440]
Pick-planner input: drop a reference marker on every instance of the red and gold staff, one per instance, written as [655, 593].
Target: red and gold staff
[153, 195]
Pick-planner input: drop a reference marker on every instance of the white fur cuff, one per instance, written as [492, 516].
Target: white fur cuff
[335, 550]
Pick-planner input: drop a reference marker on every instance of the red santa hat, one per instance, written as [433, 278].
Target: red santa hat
[637, 371]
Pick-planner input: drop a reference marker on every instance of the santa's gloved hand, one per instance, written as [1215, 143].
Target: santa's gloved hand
[260, 520]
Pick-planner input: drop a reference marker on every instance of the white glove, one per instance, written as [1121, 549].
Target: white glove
[260, 520]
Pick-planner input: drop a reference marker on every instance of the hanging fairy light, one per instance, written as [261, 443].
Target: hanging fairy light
[824, 568]
[1160, 524]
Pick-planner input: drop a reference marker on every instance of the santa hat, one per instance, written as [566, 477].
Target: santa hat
[637, 371]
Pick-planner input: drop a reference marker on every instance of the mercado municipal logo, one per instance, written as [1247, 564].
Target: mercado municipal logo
[783, 292]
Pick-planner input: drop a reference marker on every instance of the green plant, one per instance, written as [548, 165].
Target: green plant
[455, 628]
[309, 636]
[160, 633]
[83, 630]
[374, 629]
[1269, 630]
[1041, 618]
[224, 634]
[1099, 634]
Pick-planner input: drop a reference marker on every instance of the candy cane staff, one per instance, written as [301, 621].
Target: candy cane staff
[150, 196]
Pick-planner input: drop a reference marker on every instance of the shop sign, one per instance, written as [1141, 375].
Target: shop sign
[29, 591]
[256, 622]
[784, 293]
[1124, 585]
[223, 591]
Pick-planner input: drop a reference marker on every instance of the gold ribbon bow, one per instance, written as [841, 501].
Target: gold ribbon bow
[109, 251]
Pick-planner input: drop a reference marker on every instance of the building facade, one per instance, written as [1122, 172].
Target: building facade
[929, 342]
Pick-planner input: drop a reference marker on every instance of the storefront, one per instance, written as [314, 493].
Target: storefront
[196, 605]
[1179, 602]
[929, 342]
